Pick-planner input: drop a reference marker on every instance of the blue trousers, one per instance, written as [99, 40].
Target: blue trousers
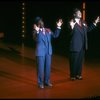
[43, 69]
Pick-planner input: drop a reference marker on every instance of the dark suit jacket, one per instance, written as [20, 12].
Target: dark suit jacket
[78, 39]
[43, 44]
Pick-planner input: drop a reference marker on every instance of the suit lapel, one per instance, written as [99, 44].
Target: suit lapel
[80, 28]
[44, 37]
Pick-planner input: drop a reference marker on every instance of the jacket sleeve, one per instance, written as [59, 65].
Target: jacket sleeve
[56, 33]
[91, 27]
[35, 33]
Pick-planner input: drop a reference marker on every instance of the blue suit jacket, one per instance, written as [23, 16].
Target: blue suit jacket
[79, 37]
[41, 44]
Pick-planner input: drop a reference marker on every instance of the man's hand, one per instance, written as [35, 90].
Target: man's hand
[72, 23]
[59, 23]
[36, 27]
[97, 20]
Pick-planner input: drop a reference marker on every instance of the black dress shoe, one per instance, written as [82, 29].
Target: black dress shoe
[49, 84]
[79, 77]
[41, 86]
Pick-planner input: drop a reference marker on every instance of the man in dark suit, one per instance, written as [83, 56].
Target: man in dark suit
[43, 52]
[78, 43]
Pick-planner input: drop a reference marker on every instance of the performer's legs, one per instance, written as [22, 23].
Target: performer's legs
[47, 70]
[40, 69]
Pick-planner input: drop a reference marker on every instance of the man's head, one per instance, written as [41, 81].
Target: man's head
[39, 22]
[77, 13]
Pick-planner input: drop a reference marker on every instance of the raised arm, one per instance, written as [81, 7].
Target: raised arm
[94, 24]
[58, 28]
[72, 23]
[35, 31]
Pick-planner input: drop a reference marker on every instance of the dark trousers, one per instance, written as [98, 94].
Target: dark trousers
[76, 61]
[43, 68]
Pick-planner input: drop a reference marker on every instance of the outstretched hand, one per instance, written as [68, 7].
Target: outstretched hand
[97, 20]
[59, 23]
[72, 22]
[36, 27]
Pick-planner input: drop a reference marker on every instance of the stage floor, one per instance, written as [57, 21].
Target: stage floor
[18, 77]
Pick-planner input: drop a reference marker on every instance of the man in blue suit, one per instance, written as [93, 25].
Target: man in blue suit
[43, 51]
[78, 43]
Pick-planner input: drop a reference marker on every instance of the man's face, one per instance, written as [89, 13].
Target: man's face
[78, 14]
[41, 24]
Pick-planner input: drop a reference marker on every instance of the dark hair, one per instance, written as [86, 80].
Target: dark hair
[75, 10]
[37, 19]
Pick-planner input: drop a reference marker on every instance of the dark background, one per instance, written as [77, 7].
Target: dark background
[50, 11]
